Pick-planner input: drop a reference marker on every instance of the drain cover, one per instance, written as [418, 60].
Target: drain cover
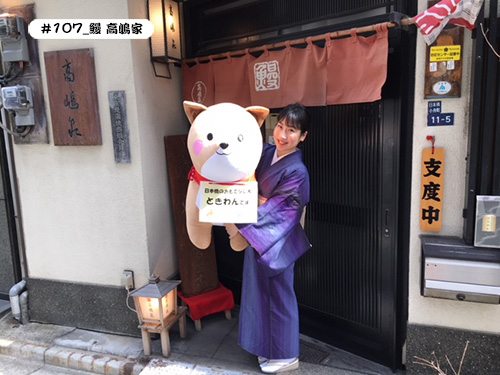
[312, 354]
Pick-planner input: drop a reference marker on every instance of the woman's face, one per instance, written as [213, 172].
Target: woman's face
[287, 138]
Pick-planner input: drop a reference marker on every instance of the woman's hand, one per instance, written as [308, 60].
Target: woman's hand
[262, 200]
[231, 229]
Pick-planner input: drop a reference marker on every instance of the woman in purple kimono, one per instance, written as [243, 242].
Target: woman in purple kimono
[269, 320]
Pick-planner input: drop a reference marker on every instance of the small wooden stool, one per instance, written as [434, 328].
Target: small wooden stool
[148, 328]
[211, 302]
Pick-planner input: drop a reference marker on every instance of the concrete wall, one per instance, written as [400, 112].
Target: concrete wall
[85, 217]
[431, 311]
[160, 113]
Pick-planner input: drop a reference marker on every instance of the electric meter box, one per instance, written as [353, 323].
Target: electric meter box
[487, 231]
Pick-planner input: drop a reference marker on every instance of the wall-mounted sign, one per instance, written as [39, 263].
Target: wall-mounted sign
[441, 87]
[441, 119]
[436, 118]
[72, 88]
[432, 182]
[119, 125]
[445, 53]
[443, 73]
[434, 107]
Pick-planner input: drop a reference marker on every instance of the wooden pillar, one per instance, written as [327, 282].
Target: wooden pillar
[165, 342]
[146, 341]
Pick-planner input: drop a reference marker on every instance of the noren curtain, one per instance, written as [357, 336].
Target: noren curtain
[349, 70]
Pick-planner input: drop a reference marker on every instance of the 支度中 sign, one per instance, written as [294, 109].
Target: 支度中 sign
[432, 182]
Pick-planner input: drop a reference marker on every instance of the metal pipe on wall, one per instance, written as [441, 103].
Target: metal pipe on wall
[14, 294]
[15, 194]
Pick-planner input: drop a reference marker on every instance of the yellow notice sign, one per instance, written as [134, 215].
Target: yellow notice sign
[431, 197]
[445, 53]
[228, 203]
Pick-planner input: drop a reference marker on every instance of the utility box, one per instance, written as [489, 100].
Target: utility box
[453, 270]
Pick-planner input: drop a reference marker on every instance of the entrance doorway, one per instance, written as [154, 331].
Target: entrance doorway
[352, 286]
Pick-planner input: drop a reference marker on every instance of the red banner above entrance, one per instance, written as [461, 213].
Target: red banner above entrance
[349, 70]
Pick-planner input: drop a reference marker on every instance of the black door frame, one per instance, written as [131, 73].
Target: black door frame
[10, 212]
[394, 218]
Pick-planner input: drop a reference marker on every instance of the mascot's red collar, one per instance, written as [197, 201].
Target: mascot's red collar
[194, 175]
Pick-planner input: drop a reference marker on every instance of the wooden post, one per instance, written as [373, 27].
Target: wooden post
[182, 325]
[146, 330]
[165, 342]
[197, 325]
[146, 341]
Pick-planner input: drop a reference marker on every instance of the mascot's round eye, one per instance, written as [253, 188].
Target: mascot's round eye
[240, 138]
[210, 136]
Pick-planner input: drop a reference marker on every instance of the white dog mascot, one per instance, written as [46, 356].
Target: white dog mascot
[225, 146]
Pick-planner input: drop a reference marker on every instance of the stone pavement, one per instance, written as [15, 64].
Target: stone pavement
[213, 351]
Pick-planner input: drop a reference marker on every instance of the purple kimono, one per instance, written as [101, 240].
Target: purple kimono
[269, 320]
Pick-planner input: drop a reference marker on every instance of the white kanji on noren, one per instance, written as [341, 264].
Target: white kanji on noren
[267, 75]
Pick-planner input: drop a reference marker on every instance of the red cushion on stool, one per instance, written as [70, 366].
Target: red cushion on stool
[217, 300]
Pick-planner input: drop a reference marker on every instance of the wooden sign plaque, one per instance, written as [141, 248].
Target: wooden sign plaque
[431, 199]
[444, 61]
[72, 87]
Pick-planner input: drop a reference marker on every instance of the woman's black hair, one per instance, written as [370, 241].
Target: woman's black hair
[296, 116]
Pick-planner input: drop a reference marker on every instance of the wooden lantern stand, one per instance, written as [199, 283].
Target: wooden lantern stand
[157, 310]
[148, 328]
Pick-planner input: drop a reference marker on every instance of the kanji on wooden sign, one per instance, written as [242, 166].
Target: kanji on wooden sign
[71, 81]
[431, 207]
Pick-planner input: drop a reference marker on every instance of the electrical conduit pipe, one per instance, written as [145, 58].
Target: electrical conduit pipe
[23, 302]
[14, 293]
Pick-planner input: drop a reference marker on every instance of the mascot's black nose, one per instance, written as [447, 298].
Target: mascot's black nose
[223, 146]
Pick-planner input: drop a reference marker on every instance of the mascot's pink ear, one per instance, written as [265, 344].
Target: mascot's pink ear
[260, 113]
[193, 109]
